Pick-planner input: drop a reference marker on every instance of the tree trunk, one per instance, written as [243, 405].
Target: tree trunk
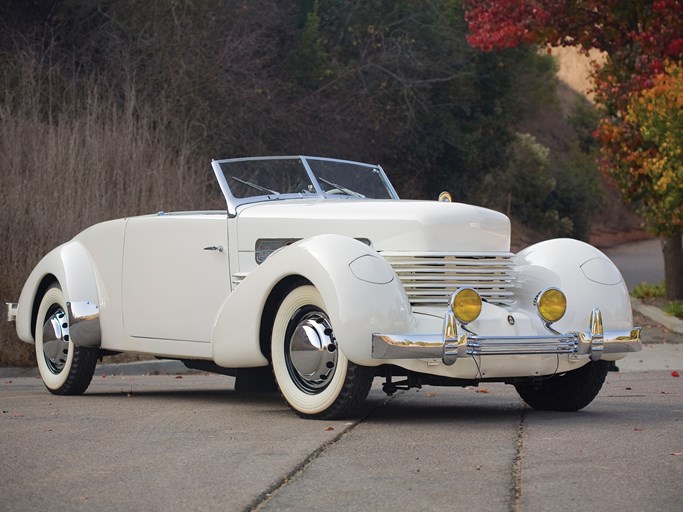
[673, 266]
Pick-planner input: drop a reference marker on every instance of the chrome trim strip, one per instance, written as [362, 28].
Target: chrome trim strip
[84, 323]
[408, 346]
[449, 346]
[11, 311]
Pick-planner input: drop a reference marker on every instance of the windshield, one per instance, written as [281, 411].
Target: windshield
[350, 179]
[247, 180]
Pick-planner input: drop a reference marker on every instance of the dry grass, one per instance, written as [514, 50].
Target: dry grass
[69, 159]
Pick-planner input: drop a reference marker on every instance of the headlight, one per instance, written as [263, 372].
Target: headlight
[466, 305]
[551, 304]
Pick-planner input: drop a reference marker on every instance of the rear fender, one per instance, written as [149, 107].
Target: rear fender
[69, 265]
[361, 292]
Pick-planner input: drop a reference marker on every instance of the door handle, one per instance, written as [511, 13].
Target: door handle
[218, 248]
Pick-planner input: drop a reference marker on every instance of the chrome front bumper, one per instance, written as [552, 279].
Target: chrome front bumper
[449, 346]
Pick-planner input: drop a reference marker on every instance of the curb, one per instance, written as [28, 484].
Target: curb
[653, 313]
[160, 367]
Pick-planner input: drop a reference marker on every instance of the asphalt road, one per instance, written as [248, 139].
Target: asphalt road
[166, 442]
[639, 261]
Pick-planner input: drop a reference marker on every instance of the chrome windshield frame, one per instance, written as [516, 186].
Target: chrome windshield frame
[233, 203]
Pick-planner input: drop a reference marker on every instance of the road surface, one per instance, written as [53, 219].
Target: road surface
[639, 261]
[190, 442]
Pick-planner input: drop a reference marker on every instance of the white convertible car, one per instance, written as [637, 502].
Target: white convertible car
[319, 276]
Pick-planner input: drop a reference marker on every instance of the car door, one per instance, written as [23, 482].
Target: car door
[175, 275]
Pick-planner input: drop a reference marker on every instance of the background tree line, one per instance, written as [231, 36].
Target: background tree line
[110, 108]
[638, 89]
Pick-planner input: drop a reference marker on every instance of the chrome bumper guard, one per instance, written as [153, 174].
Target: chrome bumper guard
[11, 311]
[450, 346]
[84, 323]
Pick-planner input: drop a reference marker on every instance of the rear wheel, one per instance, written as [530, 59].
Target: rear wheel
[569, 391]
[315, 378]
[65, 368]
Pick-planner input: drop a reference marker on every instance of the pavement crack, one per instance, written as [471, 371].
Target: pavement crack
[297, 471]
[516, 498]
[301, 468]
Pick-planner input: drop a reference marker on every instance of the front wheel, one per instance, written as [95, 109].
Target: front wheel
[315, 378]
[569, 391]
[65, 368]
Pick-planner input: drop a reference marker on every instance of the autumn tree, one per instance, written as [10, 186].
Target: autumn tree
[635, 90]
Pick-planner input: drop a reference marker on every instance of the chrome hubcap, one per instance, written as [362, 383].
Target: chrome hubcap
[56, 340]
[312, 350]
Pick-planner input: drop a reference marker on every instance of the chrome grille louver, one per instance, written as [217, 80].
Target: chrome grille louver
[238, 278]
[430, 278]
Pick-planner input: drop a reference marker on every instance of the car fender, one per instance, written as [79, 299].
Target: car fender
[71, 266]
[361, 292]
[585, 275]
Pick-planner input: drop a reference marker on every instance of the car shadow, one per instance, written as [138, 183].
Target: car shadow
[403, 407]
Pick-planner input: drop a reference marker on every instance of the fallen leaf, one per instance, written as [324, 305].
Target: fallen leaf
[664, 393]
[675, 374]
[8, 382]
[482, 390]
[637, 429]
[17, 414]
[430, 394]
[178, 376]
[329, 429]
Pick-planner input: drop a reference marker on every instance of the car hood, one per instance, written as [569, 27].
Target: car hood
[389, 225]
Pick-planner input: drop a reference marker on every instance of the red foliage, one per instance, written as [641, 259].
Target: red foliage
[638, 38]
[498, 24]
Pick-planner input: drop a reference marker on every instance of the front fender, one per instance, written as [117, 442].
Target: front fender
[587, 277]
[70, 265]
[361, 292]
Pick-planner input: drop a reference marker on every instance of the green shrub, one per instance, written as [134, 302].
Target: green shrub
[646, 290]
[675, 308]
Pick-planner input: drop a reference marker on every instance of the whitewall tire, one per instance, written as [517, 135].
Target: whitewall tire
[314, 376]
[65, 368]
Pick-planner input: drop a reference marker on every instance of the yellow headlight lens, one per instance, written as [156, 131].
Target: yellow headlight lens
[551, 304]
[466, 305]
